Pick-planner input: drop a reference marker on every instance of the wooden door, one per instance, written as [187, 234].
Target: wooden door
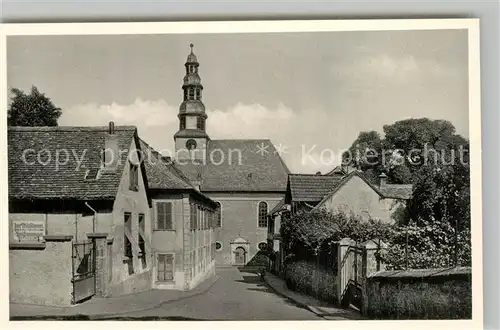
[239, 257]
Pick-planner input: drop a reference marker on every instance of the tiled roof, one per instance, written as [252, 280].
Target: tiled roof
[31, 179]
[312, 187]
[278, 207]
[162, 174]
[239, 165]
[398, 191]
[387, 191]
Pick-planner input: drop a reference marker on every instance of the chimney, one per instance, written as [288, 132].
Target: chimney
[111, 129]
[382, 179]
[197, 183]
[111, 153]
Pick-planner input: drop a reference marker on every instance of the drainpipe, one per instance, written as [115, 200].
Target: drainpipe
[94, 218]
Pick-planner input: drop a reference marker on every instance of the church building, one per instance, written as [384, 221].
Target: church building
[246, 177]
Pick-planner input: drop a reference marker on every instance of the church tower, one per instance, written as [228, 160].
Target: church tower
[191, 139]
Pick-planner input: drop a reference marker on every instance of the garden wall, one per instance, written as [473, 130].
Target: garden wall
[40, 273]
[420, 294]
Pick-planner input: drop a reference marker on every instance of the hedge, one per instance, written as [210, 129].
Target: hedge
[308, 278]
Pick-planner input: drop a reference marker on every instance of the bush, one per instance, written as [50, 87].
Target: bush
[305, 277]
[420, 300]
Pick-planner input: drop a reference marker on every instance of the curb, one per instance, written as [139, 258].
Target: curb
[312, 309]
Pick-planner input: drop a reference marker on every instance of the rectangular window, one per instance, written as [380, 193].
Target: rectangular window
[164, 217]
[134, 177]
[165, 267]
[194, 216]
[198, 218]
[183, 123]
[140, 233]
[191, 93]
[127, 245]
[200, 123]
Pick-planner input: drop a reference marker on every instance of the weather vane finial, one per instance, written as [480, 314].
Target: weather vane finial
[191, 45]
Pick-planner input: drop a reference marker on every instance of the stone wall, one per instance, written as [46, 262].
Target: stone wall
[40, 273]
[420, 294]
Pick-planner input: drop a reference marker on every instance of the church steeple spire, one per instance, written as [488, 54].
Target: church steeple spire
[192, 116]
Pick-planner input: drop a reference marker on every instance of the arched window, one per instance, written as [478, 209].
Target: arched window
[218, 246]
[262, 214]
[218, 214]
[262, 246]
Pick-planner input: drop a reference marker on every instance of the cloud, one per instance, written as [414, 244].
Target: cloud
[386, 67]
[306, 137]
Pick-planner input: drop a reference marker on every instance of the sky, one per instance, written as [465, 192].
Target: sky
[310, 93]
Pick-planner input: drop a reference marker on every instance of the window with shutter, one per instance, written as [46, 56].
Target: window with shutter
[218, 215]
[164, 217]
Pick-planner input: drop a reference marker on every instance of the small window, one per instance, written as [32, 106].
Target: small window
[140, 234]
[262, 246]
[218, 246]
[198, 94]
[92, 174]
[165, 267]
[183, 123]
[200, 123]
[262, 214]
[191, 93]
[127, 245]
[164, 216]
[134, 177]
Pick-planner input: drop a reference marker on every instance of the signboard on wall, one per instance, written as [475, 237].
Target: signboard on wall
[28, 230]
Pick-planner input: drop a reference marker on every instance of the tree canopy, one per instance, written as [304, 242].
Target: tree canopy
[33, 109]
[433, 227]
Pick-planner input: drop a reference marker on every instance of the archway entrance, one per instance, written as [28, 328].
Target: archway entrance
[240, 256]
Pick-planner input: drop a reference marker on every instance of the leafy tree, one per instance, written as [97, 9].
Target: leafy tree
[33, 109]
[434, 228]
[305, 232]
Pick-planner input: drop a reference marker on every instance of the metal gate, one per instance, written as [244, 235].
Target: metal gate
[351, 277]
[83, 271]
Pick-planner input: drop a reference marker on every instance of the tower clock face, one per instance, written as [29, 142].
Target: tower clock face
[190, 144]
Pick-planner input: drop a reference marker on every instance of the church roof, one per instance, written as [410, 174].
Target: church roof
[239, 165]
